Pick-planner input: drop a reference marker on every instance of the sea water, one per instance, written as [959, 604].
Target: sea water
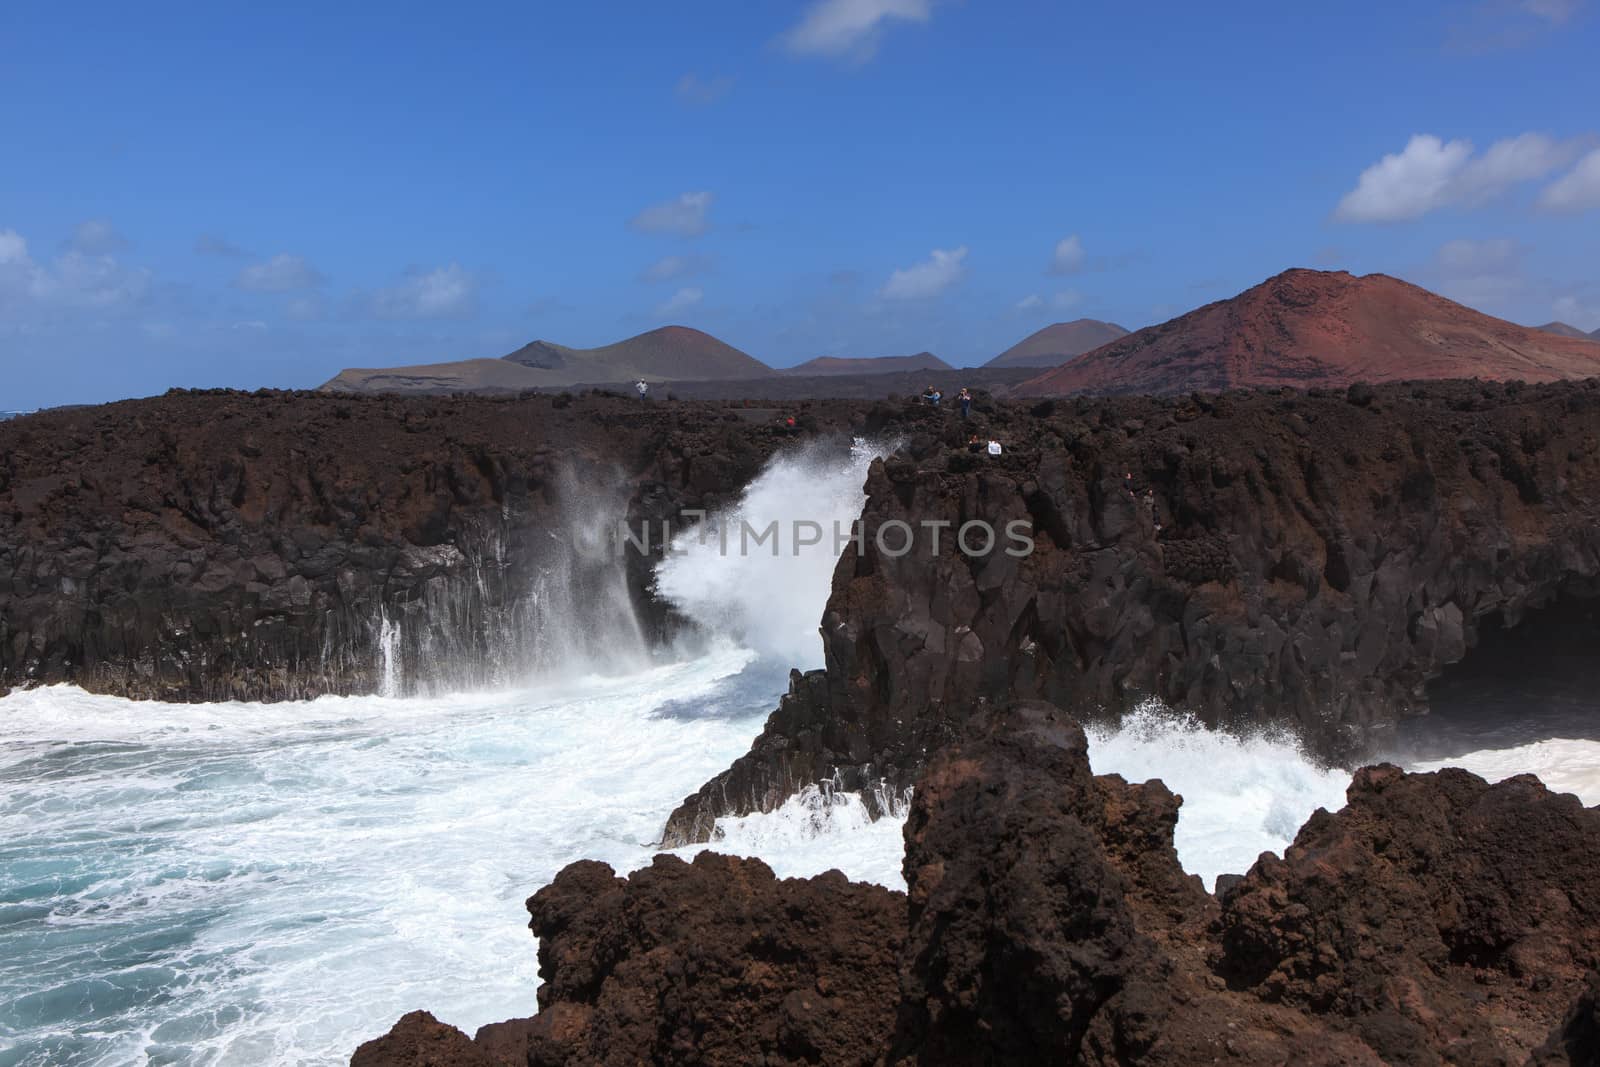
[275, 883]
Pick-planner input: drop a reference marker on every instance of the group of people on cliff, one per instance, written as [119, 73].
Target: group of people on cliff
[933, 397]
[975, 444]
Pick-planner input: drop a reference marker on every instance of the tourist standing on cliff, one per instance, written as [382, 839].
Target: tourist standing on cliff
[643, 388]
[965, 399]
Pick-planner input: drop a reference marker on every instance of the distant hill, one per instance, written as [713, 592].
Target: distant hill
[1306, 328]
[830, 365]
[1561, 329]
[671, 353]
[902, 384]
[1055, 345]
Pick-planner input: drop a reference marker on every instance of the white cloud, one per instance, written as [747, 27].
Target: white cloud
[1068, 257]
[682, 300]
[686, 215]
[13, 248]
[669, 268]
[1578, 189]
[97, 237]
[1030, 302]
[1512, 162]
[282, 273]
[74, 280]
[1554, 11]
[942, 269]
[442, 293]
[692, 89]
[1430, 173]
[1405, 185]
[851, 28]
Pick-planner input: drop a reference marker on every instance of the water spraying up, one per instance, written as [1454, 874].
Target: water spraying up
[768, 591]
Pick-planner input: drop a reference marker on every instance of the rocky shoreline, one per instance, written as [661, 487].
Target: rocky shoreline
[219, 545]
[1253, 559]
[1435, 919]
[1309, 559]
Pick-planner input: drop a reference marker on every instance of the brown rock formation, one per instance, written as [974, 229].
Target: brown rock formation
[1318, 559]
[1435, 915]
[1435, 919]
[202, 546]
[420, 1040]
[1320, 328]
[714, 962]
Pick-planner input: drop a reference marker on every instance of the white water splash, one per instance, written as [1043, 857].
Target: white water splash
[565, 611]
[817, 831]
[1241, 796]
[770, 596]
[1563, 765]
[388, 656]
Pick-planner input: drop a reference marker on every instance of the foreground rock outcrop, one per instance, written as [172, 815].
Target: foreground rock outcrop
[715, 962]
[1311, 559]
[1435, 919]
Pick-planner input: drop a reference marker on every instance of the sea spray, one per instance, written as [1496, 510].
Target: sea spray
[770, 596]
[819, 830]
[1241, 795]
[511, 604]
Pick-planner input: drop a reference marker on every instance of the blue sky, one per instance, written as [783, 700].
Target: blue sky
[204, 194]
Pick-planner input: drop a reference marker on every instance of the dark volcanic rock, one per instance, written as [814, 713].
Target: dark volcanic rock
[714, 962]
[1435, 919]
[1441, 918]
[1577, 1041]
[1252, 558]
[420, 1040]
[202, 546]
[1050, 920]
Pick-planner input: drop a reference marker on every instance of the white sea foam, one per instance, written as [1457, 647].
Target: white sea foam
[1564, 765]
[274, 883]
[1241, 796]
[815, 832]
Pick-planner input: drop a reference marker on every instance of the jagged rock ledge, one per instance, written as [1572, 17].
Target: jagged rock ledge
[208, 545]
[1310, 559]
[1435, 919]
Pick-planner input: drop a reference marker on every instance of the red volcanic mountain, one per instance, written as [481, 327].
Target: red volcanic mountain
[1309, 328]
[1054, 345]
[830, 365]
